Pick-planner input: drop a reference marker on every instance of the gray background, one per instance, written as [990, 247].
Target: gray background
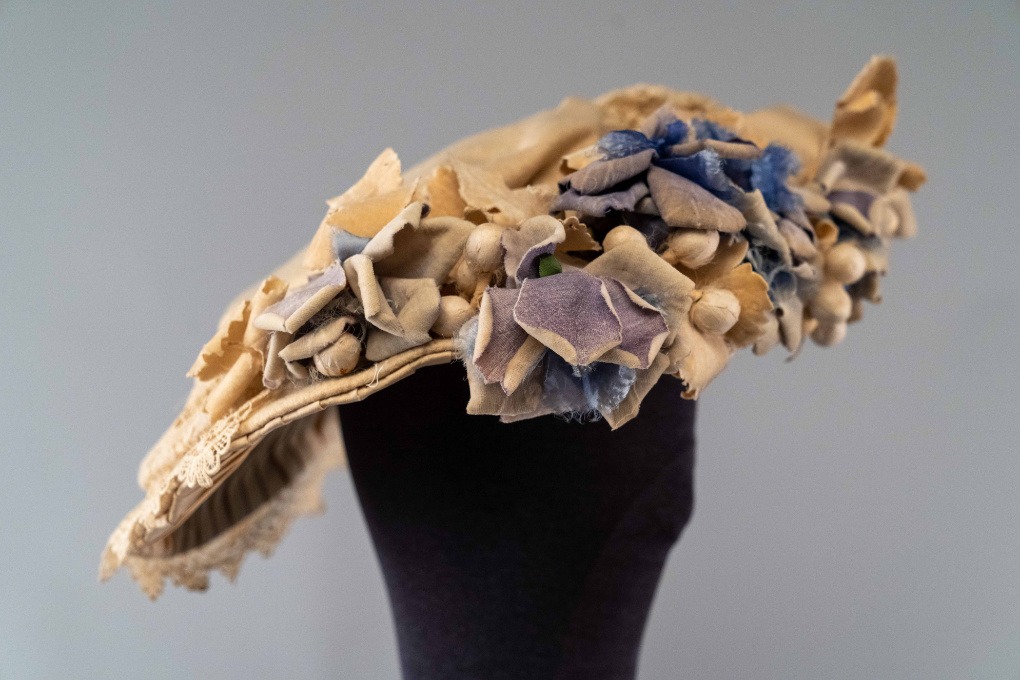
[857, 509]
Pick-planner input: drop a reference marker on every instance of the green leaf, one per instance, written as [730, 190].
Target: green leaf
[548, 265]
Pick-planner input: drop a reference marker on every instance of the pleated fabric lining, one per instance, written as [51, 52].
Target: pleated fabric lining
[270, 466]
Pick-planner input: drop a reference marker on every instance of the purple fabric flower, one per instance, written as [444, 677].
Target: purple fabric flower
[561, 339]
[598, 177]
[588, 323]
[579, 316]
[570, 313]
[503, 339]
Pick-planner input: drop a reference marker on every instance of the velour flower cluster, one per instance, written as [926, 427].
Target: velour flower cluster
[656, 250]
[380, 296]
[566, 339]
[698, 191]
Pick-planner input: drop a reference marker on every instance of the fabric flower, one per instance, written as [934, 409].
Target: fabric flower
[301, 304]
[702, 176]
[730, 310]
[363, 210]
[866, 206]
[235, 356]
[699, 175]
[575, 341]
[397, 275]
[383, 290]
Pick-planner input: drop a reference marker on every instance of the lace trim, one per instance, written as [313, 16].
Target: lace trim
[196, 468]
[261, 531]
[177, 440]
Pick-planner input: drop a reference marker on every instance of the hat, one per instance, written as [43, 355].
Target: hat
[570, 260]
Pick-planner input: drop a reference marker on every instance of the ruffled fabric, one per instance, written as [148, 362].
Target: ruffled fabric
[570, 261]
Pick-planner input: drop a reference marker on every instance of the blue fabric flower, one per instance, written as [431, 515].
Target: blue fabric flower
[584, 390]
[727, 178]
[770, 266]
[622, 143]
[709, 155]
[770, 174]
[706, 129]
[707, 169]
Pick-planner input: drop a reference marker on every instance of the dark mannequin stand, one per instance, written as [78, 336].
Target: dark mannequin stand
[524, 551]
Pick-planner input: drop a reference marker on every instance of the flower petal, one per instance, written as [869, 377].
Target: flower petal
[346, 244]
[867, 109]
[623, 143]
[761, 226]
[571, 314]
[535, 237]
[275, 370]
[644, 329]
[625, 200]
[579, 159]
[849, 214]
[408, 248]
[851, 166]
[736, 149]
[697, 358]
[643, 383]
[427, 250]
[751, 292]
[893, 215]
[650, 277]
[222, 350]
[503, 352]
[770, 173]
[769, 338]
[442, 193]
[790, 314]
[237, 332]
[368, 216]
[730, 253]
[601, 175]
[415, 303]
[578, 237]
[799, 241]
[583, 389]
[663, 124]
[363, 209]
[860, 200]
[486, 192]
[682, 203]
[382, 243]
[366, 287]
[317, 339]
[704, 168]
[487, 396]
[806, 136]
[300, 305]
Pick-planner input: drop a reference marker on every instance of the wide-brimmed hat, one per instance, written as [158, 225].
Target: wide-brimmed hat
[569, 260]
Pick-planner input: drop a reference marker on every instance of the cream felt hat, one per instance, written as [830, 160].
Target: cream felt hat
[569, 260]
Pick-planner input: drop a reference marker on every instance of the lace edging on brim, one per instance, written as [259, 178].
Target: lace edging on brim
[261, 531]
